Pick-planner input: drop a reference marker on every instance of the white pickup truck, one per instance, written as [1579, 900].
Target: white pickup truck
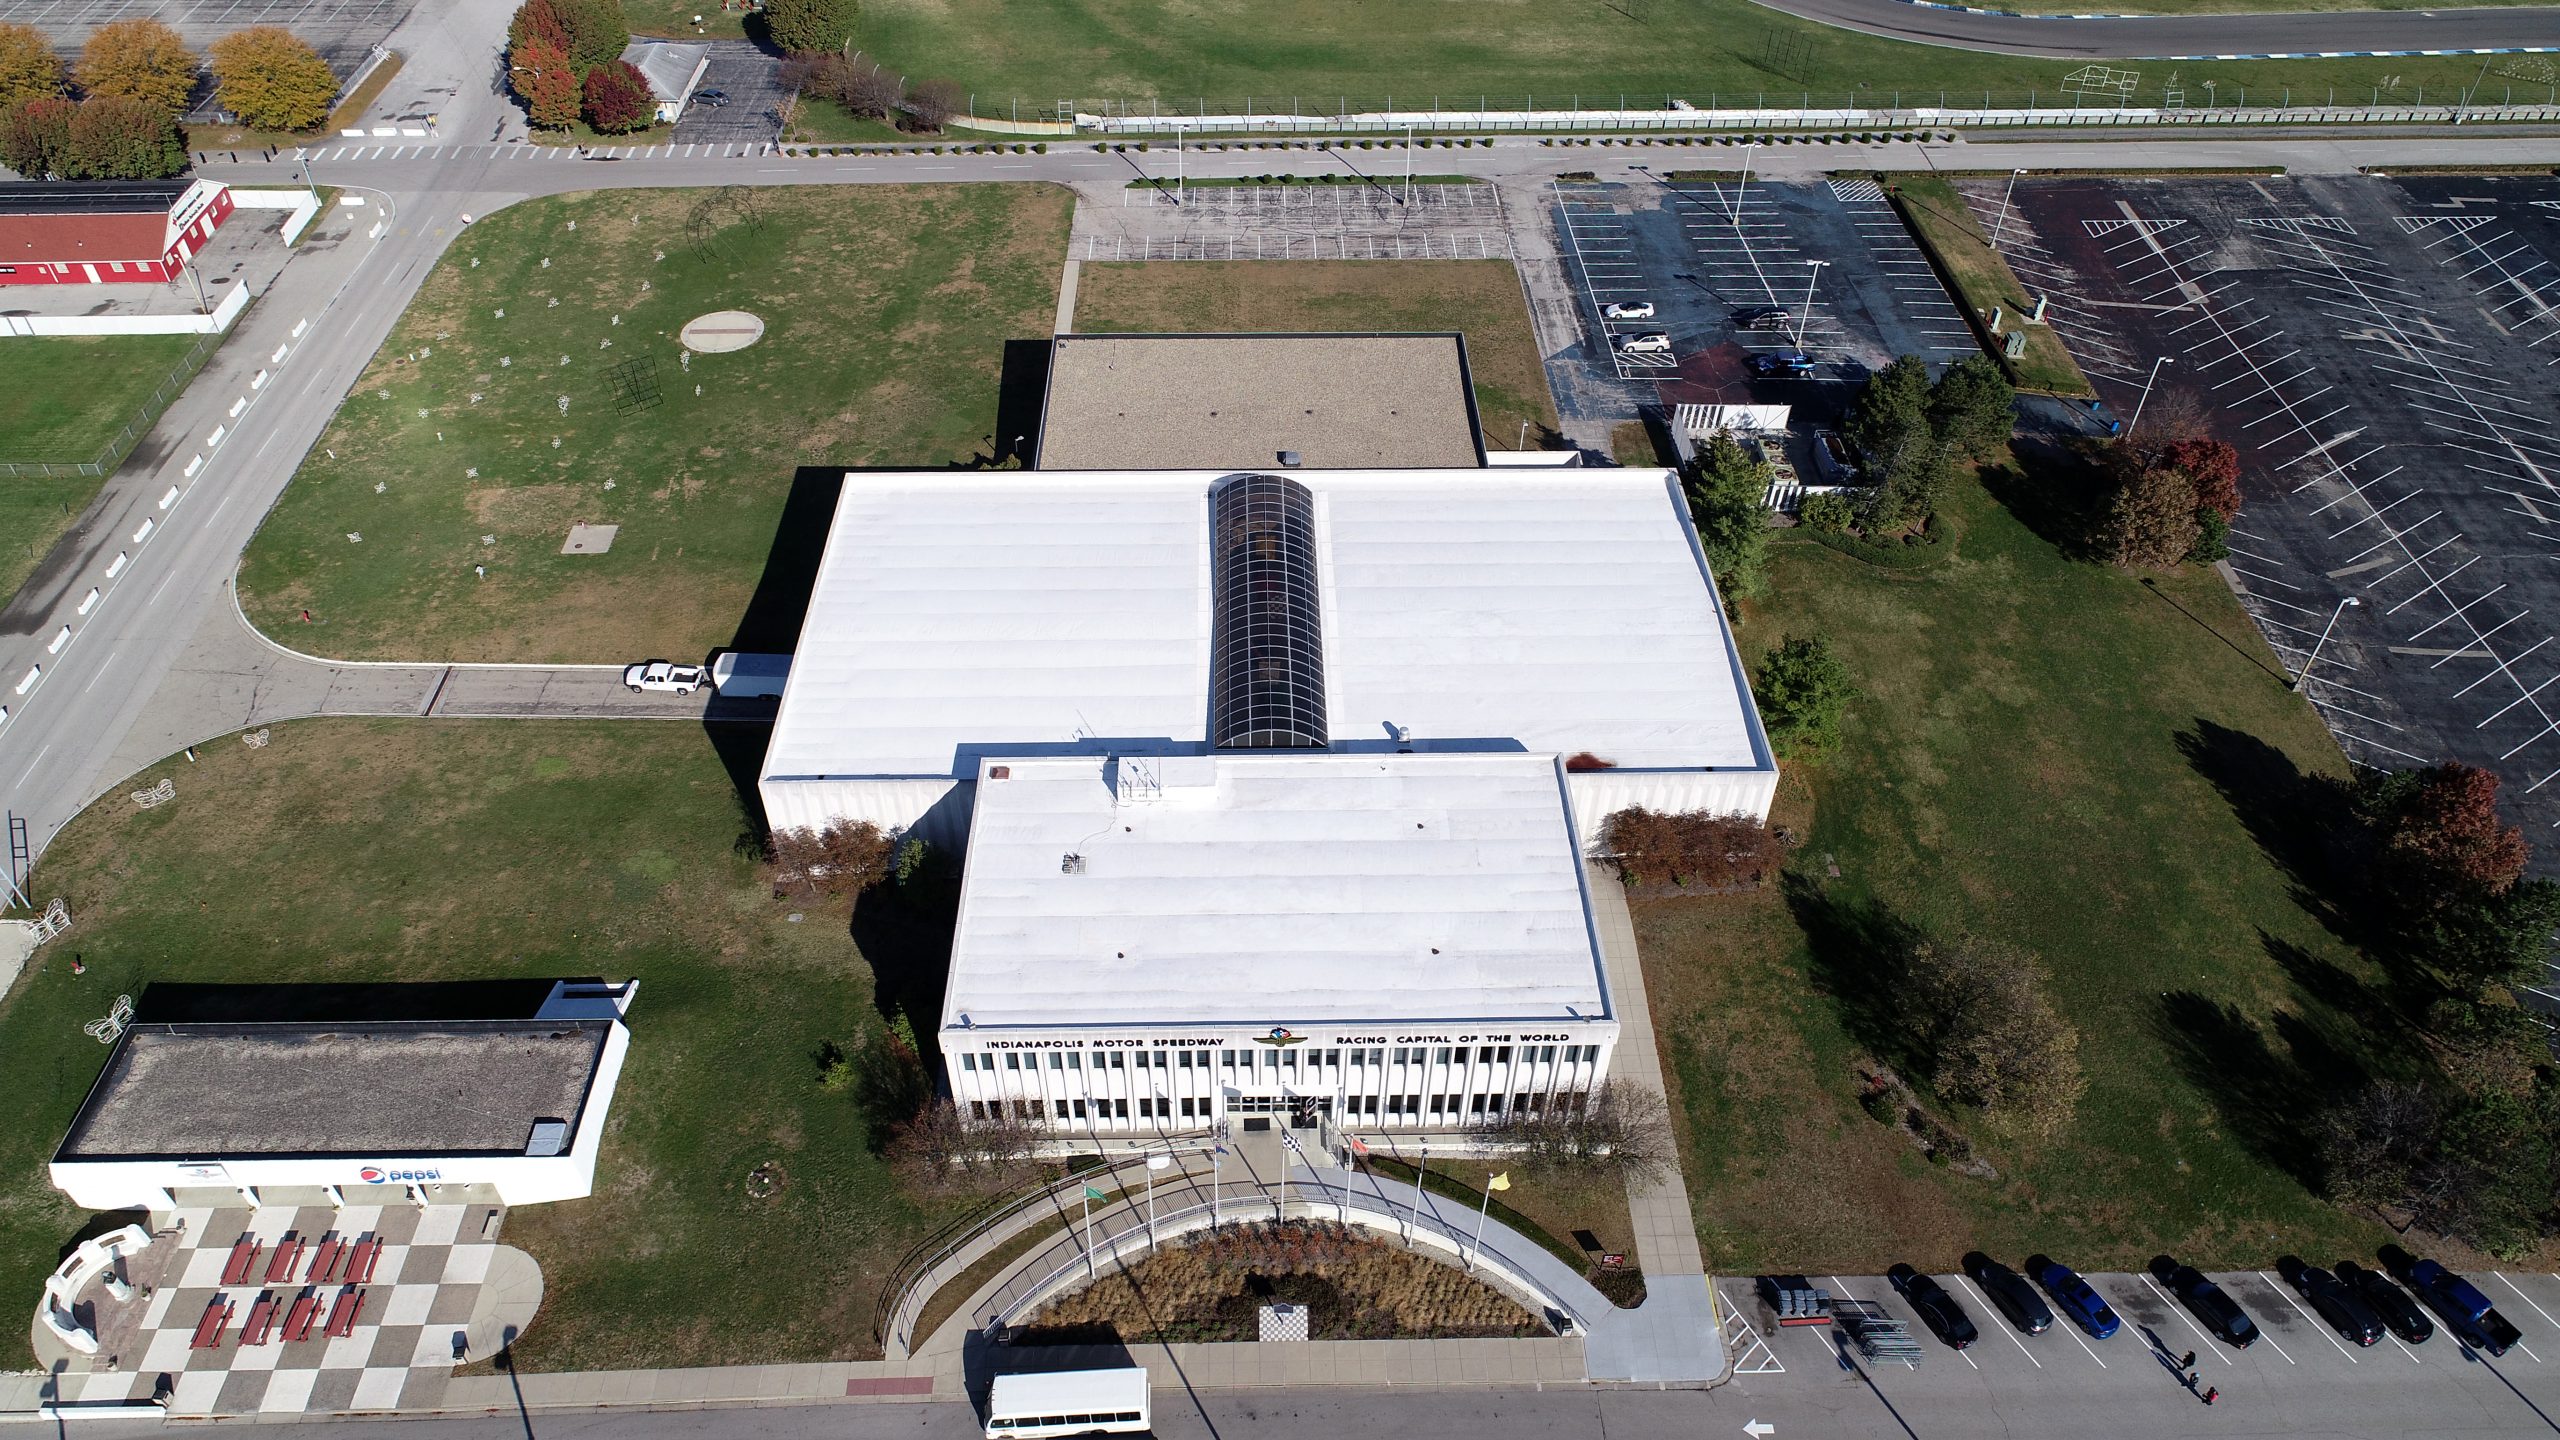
[663, 675]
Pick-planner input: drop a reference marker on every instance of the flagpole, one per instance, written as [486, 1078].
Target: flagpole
[1485, 1210]
[1087, 1201]
[1421, 1172]
[1217, 1217]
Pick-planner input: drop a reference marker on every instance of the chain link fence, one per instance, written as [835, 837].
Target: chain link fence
[130, 433]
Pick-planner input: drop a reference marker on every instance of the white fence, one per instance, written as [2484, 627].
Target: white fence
[216, 323]
[303, 203]
[1706, 121]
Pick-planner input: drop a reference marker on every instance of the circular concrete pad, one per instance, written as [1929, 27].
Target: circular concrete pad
[721, 331]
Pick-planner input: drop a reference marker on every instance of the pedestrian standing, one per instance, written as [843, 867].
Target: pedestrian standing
[2211, 1394]
[2188, 1363]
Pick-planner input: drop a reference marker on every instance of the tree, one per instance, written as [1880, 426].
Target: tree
[845, 858]
[272, 80]
[618, 100]
[1971, 408]
[811, 26]
[595, 30]
[2375, 1146]
[29, 68]
[547, 83]
[2212, 467]
[1693, 849]
[139, 59]
[1803, 691]
[119, 137]
[1729, 499]
[537, 22]
[942, 1154]
[2000, 1043]
[2151, 520]
[2438, 840]
[932, 103]
[866, 89]
[1614, 1136]
[35, 136]
[2499, 939]
[1908, 483]
[1890, 404]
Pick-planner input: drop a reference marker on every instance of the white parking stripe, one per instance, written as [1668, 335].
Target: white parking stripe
[2181, 1312]
[2316, 1322]
[1994, 1319]
[2538, 1310]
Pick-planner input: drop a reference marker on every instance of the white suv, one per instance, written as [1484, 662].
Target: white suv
[662, 675]
[1650, 344]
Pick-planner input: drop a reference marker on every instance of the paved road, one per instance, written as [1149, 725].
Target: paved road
[2193, 37]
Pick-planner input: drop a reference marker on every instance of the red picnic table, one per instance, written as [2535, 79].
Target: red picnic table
[343, 1314]
[288, 1255]
[325, 1260]
[360, 1263]
[244, 1258]
[304, 1314]
[262, 1318]
[217, 1318]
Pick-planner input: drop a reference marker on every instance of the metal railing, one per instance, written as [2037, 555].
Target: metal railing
[903, 1295]
[112, 453]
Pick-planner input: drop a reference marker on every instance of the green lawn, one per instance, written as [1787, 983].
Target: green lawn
[62, 399]
[1947, 227]
[1318, 54]
[1479, 298]
[2018, 766]
[355, 851]
[887, 312]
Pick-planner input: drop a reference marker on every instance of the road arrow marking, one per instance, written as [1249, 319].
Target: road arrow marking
[1759, 1429]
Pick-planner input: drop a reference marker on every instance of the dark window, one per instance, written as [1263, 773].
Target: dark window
[1266, 648]
[1520, 1101]
[1502, 1055]
[1477, 1105]
[1012, 1060]
[1120, 1109]
[1079, 1109]
[978, 1109]
[1062, 1109]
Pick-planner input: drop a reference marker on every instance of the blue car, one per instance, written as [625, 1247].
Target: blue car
[2074, 1297]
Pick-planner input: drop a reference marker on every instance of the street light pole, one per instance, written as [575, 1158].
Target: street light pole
[1812, 273]
[2002, 222]
[2146, 395]
[2295, 683]
[1736, 207]
[1154, 1164]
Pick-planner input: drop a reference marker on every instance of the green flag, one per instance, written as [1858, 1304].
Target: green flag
[1092, 1194]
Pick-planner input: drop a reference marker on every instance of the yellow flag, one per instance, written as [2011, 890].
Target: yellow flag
[1499, 1182]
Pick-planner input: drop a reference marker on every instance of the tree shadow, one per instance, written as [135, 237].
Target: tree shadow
[1858, 949]
[2053, 490]
[2298, 820]
[2262, 1096]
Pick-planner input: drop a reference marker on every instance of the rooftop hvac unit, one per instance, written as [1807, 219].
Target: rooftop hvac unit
[550, 1137]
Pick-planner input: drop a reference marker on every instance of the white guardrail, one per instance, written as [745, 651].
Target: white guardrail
[1477, 122]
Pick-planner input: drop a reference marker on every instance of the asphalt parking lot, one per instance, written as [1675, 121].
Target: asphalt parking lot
[752, 79]
[1833, 255]
[341, 30]
[2298, 1378]
[2382, 352]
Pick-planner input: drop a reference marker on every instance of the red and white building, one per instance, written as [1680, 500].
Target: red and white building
[105, 232]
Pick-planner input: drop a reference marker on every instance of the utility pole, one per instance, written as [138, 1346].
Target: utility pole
[2295, 683]
[2002, 222]
[2146, 396]
[1813, 273]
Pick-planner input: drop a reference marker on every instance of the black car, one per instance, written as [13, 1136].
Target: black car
[2010, 1292]
[2388, 1301]
[1760, 317]
[713, 98]
[2218, 1313]
[1785, 365]
[1937, 1309]
[2344, 1311]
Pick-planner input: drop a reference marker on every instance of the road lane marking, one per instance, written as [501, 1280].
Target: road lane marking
[32, 764]
[1997, 1320]
[101, 675]
[2510, 1284]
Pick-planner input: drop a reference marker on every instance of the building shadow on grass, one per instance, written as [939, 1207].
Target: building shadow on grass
[167, 1002]
[1858, 948]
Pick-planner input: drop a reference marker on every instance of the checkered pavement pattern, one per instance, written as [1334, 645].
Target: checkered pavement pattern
[401, 1354]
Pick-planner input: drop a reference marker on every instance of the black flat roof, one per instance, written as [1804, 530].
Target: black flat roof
[90, 197]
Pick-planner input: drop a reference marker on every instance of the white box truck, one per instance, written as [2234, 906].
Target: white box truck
[743, 676]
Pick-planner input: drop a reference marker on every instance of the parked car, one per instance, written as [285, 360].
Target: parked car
[2457, 1302]
[1650, 343]
[2219, 1313]
[1628, 310]
[2015, 1298]
[2340, 1307]
[1760, 317]
[2086, 1307]
[1936, 1308]
[1784, 365]
[2389, 1302]
[714, 98]
[662, 675]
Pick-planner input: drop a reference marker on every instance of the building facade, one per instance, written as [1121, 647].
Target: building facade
[106, 232]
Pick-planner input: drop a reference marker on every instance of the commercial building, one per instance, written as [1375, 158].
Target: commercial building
[1276, 724]
[509, 1110]
[105, 232]
[673, 70]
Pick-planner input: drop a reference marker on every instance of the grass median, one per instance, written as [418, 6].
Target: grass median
[537, 382]
[1982, 281]
[1480, 298]
[2033, 757]
[355, 851]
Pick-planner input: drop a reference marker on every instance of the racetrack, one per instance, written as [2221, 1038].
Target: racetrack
[2194, 37]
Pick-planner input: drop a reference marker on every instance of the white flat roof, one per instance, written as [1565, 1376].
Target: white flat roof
[1273, 889]
[1012, 613]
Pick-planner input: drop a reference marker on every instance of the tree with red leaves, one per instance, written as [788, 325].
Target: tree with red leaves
[2214, 468]
[618, 99]
[2439, 841]
[537, 21]
[543, 78]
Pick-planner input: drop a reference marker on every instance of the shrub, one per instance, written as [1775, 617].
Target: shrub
[272, 80]
[1828, 514]
[843, 859]
[1693, 849]
[2000, 1044]
[1804, 691]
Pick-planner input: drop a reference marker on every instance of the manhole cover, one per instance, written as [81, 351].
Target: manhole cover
[721, 331]
[589, 539]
